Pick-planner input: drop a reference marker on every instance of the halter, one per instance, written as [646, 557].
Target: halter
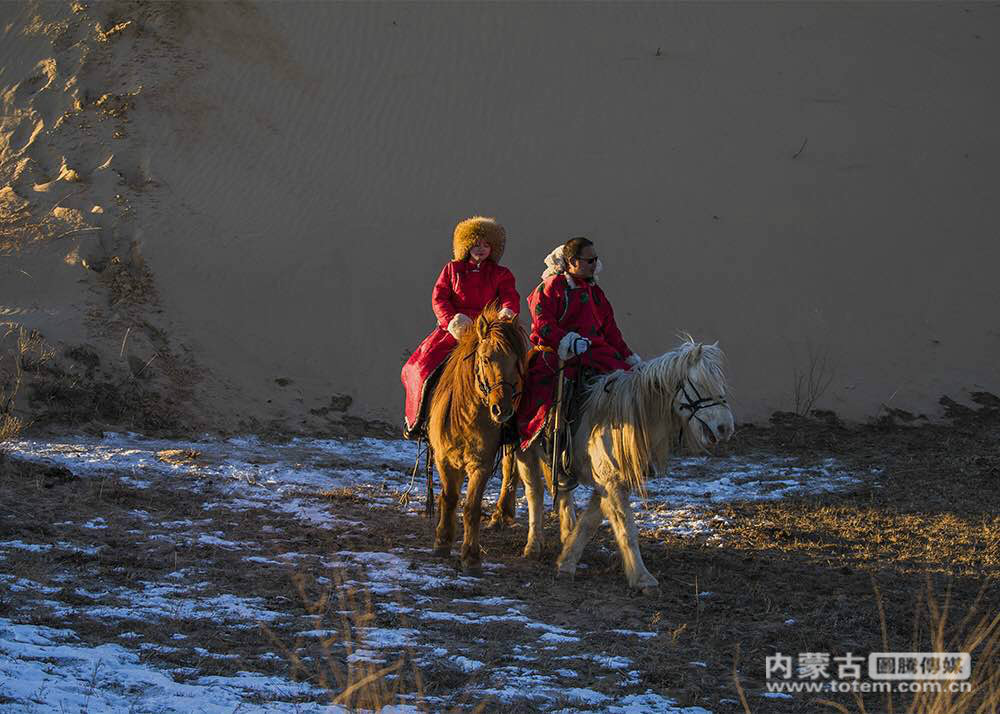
[486, 389]
[696, 405]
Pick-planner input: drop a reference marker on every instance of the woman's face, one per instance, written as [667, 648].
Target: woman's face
[480, 251]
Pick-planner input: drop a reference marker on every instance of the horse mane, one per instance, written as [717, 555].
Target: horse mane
[635, 406]
[456, 398]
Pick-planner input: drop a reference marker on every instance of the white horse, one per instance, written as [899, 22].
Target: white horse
[628, 422]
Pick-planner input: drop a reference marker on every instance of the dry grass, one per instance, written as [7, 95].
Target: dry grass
[978, 633]
[21, 351]
[809, 385]
[927, 537]
[10, 429]
[70, 389]
[352, 682]
[929, 525]
[352, 679]
[138, 544]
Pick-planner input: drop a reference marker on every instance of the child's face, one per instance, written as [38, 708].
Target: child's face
[480, 251]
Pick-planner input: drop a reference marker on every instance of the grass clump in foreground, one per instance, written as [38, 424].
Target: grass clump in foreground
[346, 668]
[21, 351]
[978, 633]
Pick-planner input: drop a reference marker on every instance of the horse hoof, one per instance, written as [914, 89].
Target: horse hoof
[441, 551]
[473, 569]
[533, 552]
[565, 575]
[499, 523]
[651, 591]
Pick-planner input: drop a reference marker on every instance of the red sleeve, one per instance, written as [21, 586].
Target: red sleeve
[441, 297]
[546, 303]
[612, 334]
[507, 290]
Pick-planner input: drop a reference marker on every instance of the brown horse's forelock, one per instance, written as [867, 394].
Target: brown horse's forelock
[457, 392]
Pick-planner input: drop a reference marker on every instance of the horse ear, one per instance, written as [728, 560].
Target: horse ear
[696, 353]
[482, 327]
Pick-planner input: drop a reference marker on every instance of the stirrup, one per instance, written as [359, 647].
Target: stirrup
[417, 433]
[567, 481]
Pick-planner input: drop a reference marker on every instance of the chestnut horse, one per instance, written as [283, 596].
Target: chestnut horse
[476, 395]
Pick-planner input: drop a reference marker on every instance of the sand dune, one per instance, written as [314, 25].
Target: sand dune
[264, 193]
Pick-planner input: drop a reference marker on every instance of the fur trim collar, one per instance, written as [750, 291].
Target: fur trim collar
[471, 230]
[556, 265]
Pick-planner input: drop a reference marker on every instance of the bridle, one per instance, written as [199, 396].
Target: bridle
[696, 405]
[486, 389]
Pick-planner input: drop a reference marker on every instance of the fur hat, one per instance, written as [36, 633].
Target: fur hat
[471, 230]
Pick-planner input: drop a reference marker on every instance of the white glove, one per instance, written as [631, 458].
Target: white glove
[507, 314]
[572, 345]
[633, 360]
[459, 324]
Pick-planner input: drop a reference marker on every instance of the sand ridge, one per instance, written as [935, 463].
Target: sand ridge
[274, 186]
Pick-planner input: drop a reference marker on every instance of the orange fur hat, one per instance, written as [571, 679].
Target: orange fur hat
[471, 230]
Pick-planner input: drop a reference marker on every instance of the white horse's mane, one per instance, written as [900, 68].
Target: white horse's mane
[634, 405]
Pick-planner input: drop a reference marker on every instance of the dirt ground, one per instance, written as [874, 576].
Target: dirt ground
[792, 575]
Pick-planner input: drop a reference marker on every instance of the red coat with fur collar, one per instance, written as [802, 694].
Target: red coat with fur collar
[463, 287]
[558, 307]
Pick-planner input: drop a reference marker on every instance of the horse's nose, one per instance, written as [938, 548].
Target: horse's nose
[495, 410]
[724, 431]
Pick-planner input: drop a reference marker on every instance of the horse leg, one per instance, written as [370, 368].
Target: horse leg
[505, 512]
[529, 467]
[451, 483]
[567, 515]
[472, 513]
[577, 539]
[618, 510]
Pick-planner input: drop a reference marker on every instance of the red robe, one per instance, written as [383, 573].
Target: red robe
[461, 288]
[557, 309]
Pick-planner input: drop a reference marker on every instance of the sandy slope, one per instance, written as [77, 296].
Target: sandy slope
[280, 181]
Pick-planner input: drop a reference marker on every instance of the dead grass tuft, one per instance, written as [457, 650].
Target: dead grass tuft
[345, 668]
[178, 457]
[345, 494]
[22, 351]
